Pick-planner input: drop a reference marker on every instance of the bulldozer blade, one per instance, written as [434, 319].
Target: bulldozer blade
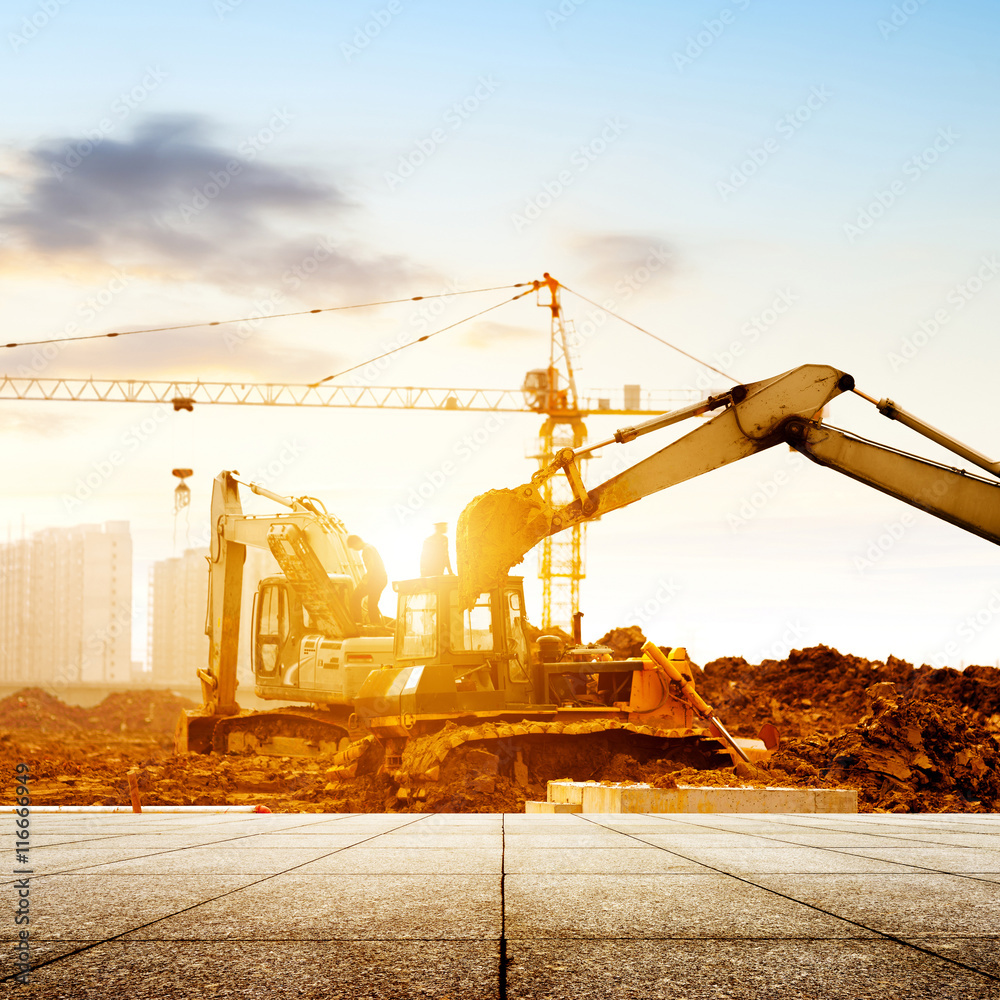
[494, 533]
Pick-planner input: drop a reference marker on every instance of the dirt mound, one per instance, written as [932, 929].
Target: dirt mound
[626, 642]
[120, 712]
[139, 712]
[33, 708]
[821, 690]
[908, 755]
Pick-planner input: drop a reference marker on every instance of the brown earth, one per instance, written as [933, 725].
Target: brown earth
[908, 739]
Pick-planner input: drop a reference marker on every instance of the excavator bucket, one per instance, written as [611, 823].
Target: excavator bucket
[494, 532]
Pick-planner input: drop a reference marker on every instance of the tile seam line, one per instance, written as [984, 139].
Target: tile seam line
[845, 852]
[502, 964]
[193, 826]
[819, 909]
[481, 941]
[156, 854]
[202, 902]
[884, 836]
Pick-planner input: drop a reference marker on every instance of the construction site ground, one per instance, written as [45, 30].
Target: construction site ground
[908, 739]
[504, 906]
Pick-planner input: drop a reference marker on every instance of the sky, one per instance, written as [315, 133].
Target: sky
[762, 183]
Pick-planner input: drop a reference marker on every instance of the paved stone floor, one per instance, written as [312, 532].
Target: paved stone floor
[574, 906]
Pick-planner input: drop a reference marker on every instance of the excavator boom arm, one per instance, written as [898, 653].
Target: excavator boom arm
[965, 500]
[498, 528]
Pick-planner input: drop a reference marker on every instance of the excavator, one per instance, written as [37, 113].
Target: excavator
[305, 645]
[404, 703]
[459, 669]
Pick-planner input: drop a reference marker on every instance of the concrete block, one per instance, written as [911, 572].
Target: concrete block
[633, 798]
[566, 790]
[552, 807]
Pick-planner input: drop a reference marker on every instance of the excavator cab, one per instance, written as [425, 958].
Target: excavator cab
[279, 622]
[449, 661]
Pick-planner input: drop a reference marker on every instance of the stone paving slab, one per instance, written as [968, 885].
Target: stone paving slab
[657, 906]
[903, 905]
[787, 860]
[275, 970]
[742, 970]
[351, 907]
[601, 860]
[100, 906]
[942, 859]
[368, 859]
[611, 905]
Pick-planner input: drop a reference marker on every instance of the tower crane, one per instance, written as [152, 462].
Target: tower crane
[551, 392]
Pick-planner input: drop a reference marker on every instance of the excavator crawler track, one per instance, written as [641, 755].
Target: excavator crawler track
[282, 733]
[529, 751]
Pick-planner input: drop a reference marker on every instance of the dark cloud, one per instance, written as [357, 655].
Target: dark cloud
[171, 202]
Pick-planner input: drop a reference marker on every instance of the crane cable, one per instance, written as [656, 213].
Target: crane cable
[427, 336]
[257, 319]
[660, 340]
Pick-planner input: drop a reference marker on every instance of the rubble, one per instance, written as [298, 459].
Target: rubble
[907, 738]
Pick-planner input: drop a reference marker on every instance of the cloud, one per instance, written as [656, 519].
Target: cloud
[488, 333]
[170, 202]
[611, 258]
[30, 418]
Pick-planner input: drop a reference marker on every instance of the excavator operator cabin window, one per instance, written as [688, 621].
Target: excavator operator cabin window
[419, 623]
[273, 628]
[477, 629]
[517, 669]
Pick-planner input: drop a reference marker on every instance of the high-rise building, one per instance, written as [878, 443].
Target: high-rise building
[178, 590]
[178, 601]
[66, 606]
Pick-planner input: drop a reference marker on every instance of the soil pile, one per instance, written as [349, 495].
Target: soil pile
[819, 690]
[907, 738]
[139, 712]
[33, 708]
[908, 755]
